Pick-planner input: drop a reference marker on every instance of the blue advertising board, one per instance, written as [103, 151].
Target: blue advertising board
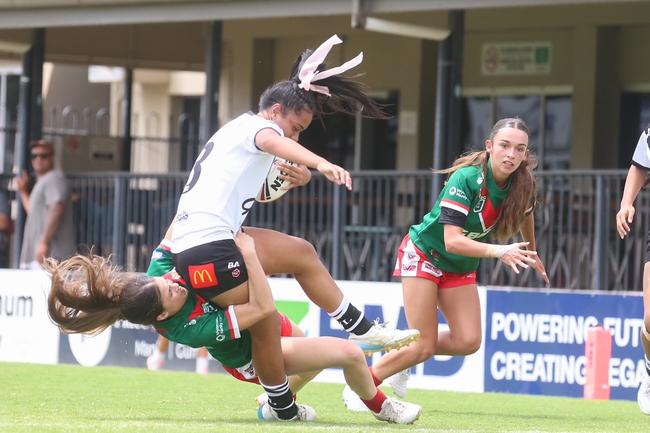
[535, 341]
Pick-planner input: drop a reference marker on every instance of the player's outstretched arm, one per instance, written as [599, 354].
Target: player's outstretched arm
[633, 184]
[295, 174]
[269, 141]
[513, 255]
[528, 234]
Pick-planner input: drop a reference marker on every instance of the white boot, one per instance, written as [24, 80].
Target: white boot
[305, 413]
[399, 382]
[352, 401]
[398, 412]
[381, 338]
[643, 396]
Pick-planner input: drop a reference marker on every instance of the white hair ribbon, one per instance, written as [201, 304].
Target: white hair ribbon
[308, 73]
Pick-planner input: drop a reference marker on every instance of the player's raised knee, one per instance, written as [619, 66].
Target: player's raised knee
[470, 345]
[421, 350]
[302, 248]
[352, 351]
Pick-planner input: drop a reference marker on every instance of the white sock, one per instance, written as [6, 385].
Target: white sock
[202, 364]
[158, 355]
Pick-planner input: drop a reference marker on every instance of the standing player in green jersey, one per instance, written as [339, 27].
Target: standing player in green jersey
[488, 191]
[88, 295]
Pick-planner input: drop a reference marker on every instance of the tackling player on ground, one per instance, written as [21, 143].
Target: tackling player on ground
[88, 295]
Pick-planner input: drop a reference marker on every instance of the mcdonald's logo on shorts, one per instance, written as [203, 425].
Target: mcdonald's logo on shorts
[202, 276]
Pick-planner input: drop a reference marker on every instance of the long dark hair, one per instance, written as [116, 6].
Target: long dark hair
[89, 294]
[347, 95]
[523, 187]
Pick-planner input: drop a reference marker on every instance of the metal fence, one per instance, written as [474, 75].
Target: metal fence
[357, 233]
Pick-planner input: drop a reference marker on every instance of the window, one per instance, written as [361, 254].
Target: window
[635, 116]
[547, 116]
[333, 137]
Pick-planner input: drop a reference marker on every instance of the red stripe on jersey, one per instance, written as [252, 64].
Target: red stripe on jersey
[455, 203]
[198, 309]
[489, 214]
[175, 277]
[233, 335]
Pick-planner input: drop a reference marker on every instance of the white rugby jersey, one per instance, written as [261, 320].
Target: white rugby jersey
[223, 184]
[641, 157]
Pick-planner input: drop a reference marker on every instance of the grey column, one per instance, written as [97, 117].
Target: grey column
[127, 115]
[30, 119]
[448, 98]
[210, 101]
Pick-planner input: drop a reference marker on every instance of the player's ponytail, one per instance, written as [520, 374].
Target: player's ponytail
[322, 96]
[89, 294]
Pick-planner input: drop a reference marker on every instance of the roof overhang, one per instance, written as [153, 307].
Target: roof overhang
[21, 14]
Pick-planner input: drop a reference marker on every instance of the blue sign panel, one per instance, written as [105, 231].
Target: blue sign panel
[432, 367]
[535, 341]
[126, 345]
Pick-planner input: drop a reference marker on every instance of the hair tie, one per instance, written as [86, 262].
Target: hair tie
[309, 71]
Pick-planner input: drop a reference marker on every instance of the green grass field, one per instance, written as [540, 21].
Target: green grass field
[65, 398]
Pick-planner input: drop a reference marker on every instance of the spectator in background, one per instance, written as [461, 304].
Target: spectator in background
[6, 227]
[49, 229]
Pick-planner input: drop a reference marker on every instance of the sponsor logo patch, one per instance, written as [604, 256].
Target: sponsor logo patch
[219, 331]
[202, 276]
[458, 193]
[480, 204]
[430, 269]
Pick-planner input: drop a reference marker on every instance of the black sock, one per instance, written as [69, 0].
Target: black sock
[281, 400]
[350, 318]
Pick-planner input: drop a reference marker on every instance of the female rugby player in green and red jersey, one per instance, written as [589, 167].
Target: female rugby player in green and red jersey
[488, 191]
[88, 295]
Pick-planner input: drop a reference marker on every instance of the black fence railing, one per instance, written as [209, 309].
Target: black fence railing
[357, 233]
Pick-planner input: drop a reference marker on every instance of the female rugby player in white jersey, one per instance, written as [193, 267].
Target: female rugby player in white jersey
[637, 179]
[221, 190]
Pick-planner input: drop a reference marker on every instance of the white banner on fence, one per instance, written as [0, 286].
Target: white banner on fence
[26, 332]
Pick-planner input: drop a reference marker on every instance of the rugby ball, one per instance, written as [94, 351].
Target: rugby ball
[274, 186]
